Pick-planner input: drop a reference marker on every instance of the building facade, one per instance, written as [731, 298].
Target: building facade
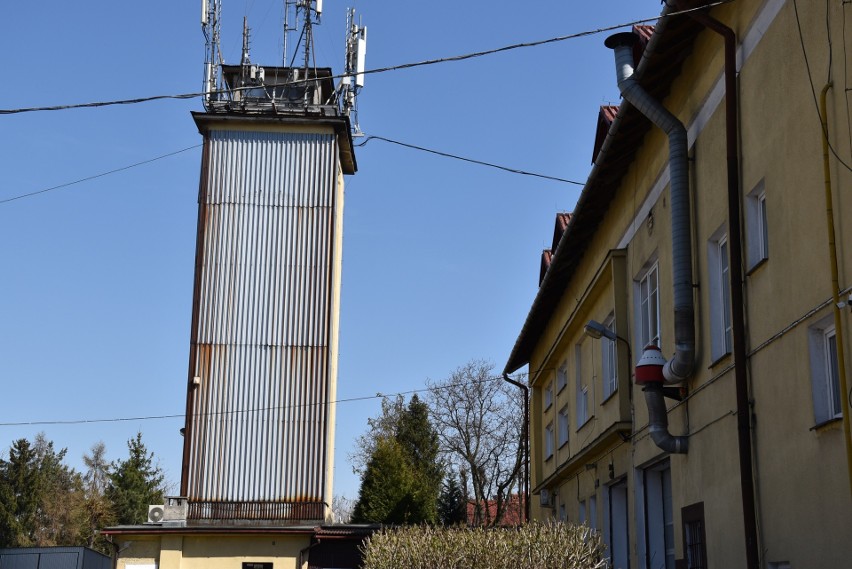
[703, 230]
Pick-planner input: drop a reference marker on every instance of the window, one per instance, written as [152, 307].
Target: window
[548, 396]
[825, 379]
[609, 370]
[563, 425]
[720, 295]
[649, 307]
[563, 516]
[582, 395]
[694, 539]
[581, 514]
[562, 376]
[757, 235]
[548, 441]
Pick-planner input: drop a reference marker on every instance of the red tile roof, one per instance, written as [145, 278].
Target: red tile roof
[513, 516]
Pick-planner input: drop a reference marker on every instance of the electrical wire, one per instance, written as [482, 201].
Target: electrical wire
[471, 160]
[370, 71]
[378, 395]
[813, 88]
[101, 175]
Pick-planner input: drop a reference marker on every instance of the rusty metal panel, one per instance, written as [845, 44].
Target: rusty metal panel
[259, 441]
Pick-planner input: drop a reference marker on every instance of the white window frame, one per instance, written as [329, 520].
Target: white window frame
[548, 395]
[757, 232]
[563, 426]
[548, 441]
[721, 335]
[562, 376]
[609, 361]
[825, 380]
[647, 305]
[582, 389]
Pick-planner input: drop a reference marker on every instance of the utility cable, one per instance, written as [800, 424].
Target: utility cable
[813, 88]
[369, 71]
[471, 160]
[101, 175]
[378, 395]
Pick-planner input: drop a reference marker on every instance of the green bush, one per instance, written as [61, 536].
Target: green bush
[550, 545]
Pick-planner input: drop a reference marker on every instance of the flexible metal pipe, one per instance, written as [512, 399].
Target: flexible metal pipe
[658, 422]
[682, 364]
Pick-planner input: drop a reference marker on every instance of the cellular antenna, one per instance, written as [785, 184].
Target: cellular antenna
[353, 80]
[211, 13]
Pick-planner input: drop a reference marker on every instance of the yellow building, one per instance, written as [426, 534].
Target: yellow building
[710, 173]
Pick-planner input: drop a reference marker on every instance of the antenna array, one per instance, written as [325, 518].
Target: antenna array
[211, 13]
[353, 80]
[280, 96]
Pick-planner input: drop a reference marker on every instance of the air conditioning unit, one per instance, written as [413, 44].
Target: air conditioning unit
[156, 514]
[546, 499]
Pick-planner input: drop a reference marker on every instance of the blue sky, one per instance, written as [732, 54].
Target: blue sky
[441, 257]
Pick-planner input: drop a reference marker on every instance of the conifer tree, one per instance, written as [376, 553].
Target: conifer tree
[134, 484]
[401, 479]
[452, 506]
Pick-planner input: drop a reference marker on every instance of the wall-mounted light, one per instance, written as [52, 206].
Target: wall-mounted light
[596, 330]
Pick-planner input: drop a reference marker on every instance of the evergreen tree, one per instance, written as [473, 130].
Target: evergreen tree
[401, 479]
[387, 487]
[19, 493]
[452, 506]
[420, 443]
[134, 484]
[39, 496]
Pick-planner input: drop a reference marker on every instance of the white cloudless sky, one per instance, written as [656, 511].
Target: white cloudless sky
[441, 257]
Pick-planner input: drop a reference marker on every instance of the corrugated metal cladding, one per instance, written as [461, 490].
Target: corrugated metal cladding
[259, 445]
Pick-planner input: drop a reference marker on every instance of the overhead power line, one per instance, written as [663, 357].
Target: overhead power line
[102, 174]
[372, 71]
[238, 411]
[462, 158]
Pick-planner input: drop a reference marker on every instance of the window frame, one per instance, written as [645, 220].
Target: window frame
[609, 361]
[825, 379]
[694, 536]
[718, 264]
[562, 376]
[549, 447]
[548, 395]
[563, 426]
[581, 392]
[757, 227]
[648, 313]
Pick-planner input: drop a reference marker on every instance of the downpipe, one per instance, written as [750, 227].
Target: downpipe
[524, 442]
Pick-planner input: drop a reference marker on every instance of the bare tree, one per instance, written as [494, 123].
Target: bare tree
[341, 509]
[479, 419]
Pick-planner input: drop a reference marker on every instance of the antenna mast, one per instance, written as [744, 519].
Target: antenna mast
[353, 80]
[211, 13]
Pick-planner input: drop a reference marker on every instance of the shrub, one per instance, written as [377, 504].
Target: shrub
[549, 545]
